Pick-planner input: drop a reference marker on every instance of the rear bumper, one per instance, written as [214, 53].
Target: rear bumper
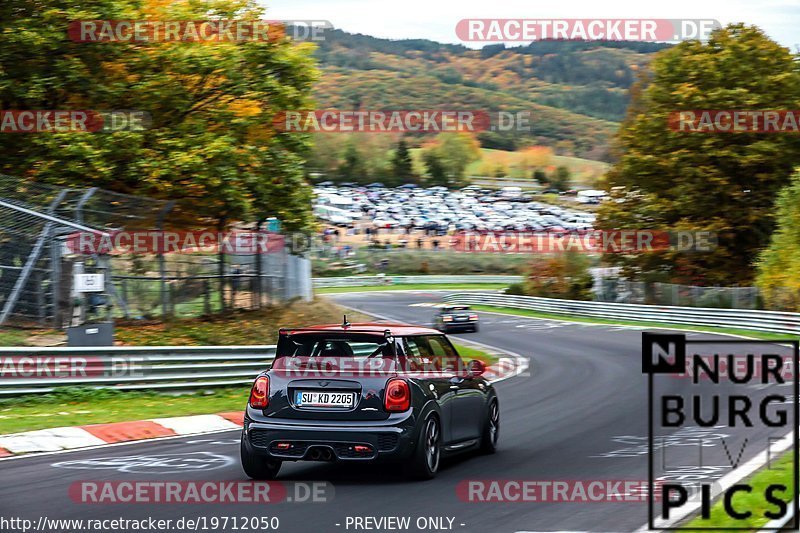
[387, 442]
[455, 326]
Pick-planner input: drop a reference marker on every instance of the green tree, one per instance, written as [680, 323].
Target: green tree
[402, 166]
[723, 183]
[212, 144]
[454, 152]
[540, 176]
[325, 155]
[778, 267]
[376, 151]
[352, 167]
[436, 171]
[560, 180]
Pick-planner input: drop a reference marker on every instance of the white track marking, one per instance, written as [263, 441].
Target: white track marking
[49, 440]
[189, 425]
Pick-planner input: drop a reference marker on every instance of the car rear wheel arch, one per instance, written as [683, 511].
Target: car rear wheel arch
[429, 409]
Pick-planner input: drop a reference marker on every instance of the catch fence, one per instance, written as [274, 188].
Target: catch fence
[40, 262]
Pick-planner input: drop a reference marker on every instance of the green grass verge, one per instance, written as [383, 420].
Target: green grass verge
[13, 337]
[413, 287]
[781, 472]
[81, 406]
[645, 324]
[468, 353]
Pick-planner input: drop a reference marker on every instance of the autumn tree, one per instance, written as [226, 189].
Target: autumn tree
[453, 152]
[722, 183]
[778, 267]
[532, 158]
[564, 275]
[212, 144]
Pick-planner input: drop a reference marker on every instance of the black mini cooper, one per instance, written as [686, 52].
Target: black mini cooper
[367, 392]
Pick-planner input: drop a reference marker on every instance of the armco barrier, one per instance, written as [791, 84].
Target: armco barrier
[369, 281]
[770, 321]
[135, 368]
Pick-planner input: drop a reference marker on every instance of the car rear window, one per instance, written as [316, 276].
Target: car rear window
[333, 346]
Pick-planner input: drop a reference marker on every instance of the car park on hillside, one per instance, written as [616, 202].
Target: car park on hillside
[438, 210]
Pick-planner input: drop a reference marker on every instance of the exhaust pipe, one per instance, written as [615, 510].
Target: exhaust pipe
[320, 453]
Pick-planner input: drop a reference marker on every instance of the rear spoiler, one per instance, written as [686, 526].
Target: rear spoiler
[289, 332]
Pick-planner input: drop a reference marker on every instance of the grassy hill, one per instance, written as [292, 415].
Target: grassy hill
[584, 172]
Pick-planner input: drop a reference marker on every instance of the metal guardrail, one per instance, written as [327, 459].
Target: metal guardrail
[770, 321]
[130, 368]
[368, 281]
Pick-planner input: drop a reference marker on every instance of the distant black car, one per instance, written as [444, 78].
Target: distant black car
[367, 393]
[456, 318]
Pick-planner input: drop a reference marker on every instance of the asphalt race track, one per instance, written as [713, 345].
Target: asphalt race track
[579, 414]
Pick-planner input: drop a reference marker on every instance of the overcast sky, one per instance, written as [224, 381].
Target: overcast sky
[436, 19]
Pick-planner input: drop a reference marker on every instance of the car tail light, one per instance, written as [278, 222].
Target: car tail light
[473, 317]
[398, 396]
[447, 318]
[362, 449]
[259, 394]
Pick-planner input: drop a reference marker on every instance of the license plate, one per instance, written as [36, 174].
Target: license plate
[462, 318]
[324, 399]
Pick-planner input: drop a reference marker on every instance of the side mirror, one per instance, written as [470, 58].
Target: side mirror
[476, 367]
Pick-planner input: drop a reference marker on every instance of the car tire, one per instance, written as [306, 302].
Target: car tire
[424, 463]
[475, 328]
[256, 466]
[491, 430]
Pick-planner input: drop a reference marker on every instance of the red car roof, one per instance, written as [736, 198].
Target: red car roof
[397, 330]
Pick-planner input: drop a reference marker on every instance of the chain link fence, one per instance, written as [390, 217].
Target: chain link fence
[38, 261]
[639, 292]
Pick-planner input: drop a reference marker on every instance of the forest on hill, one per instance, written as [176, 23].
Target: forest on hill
[576, 92]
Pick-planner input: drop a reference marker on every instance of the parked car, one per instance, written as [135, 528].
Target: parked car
[367, 393]
[436, 209]
[455, 318]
